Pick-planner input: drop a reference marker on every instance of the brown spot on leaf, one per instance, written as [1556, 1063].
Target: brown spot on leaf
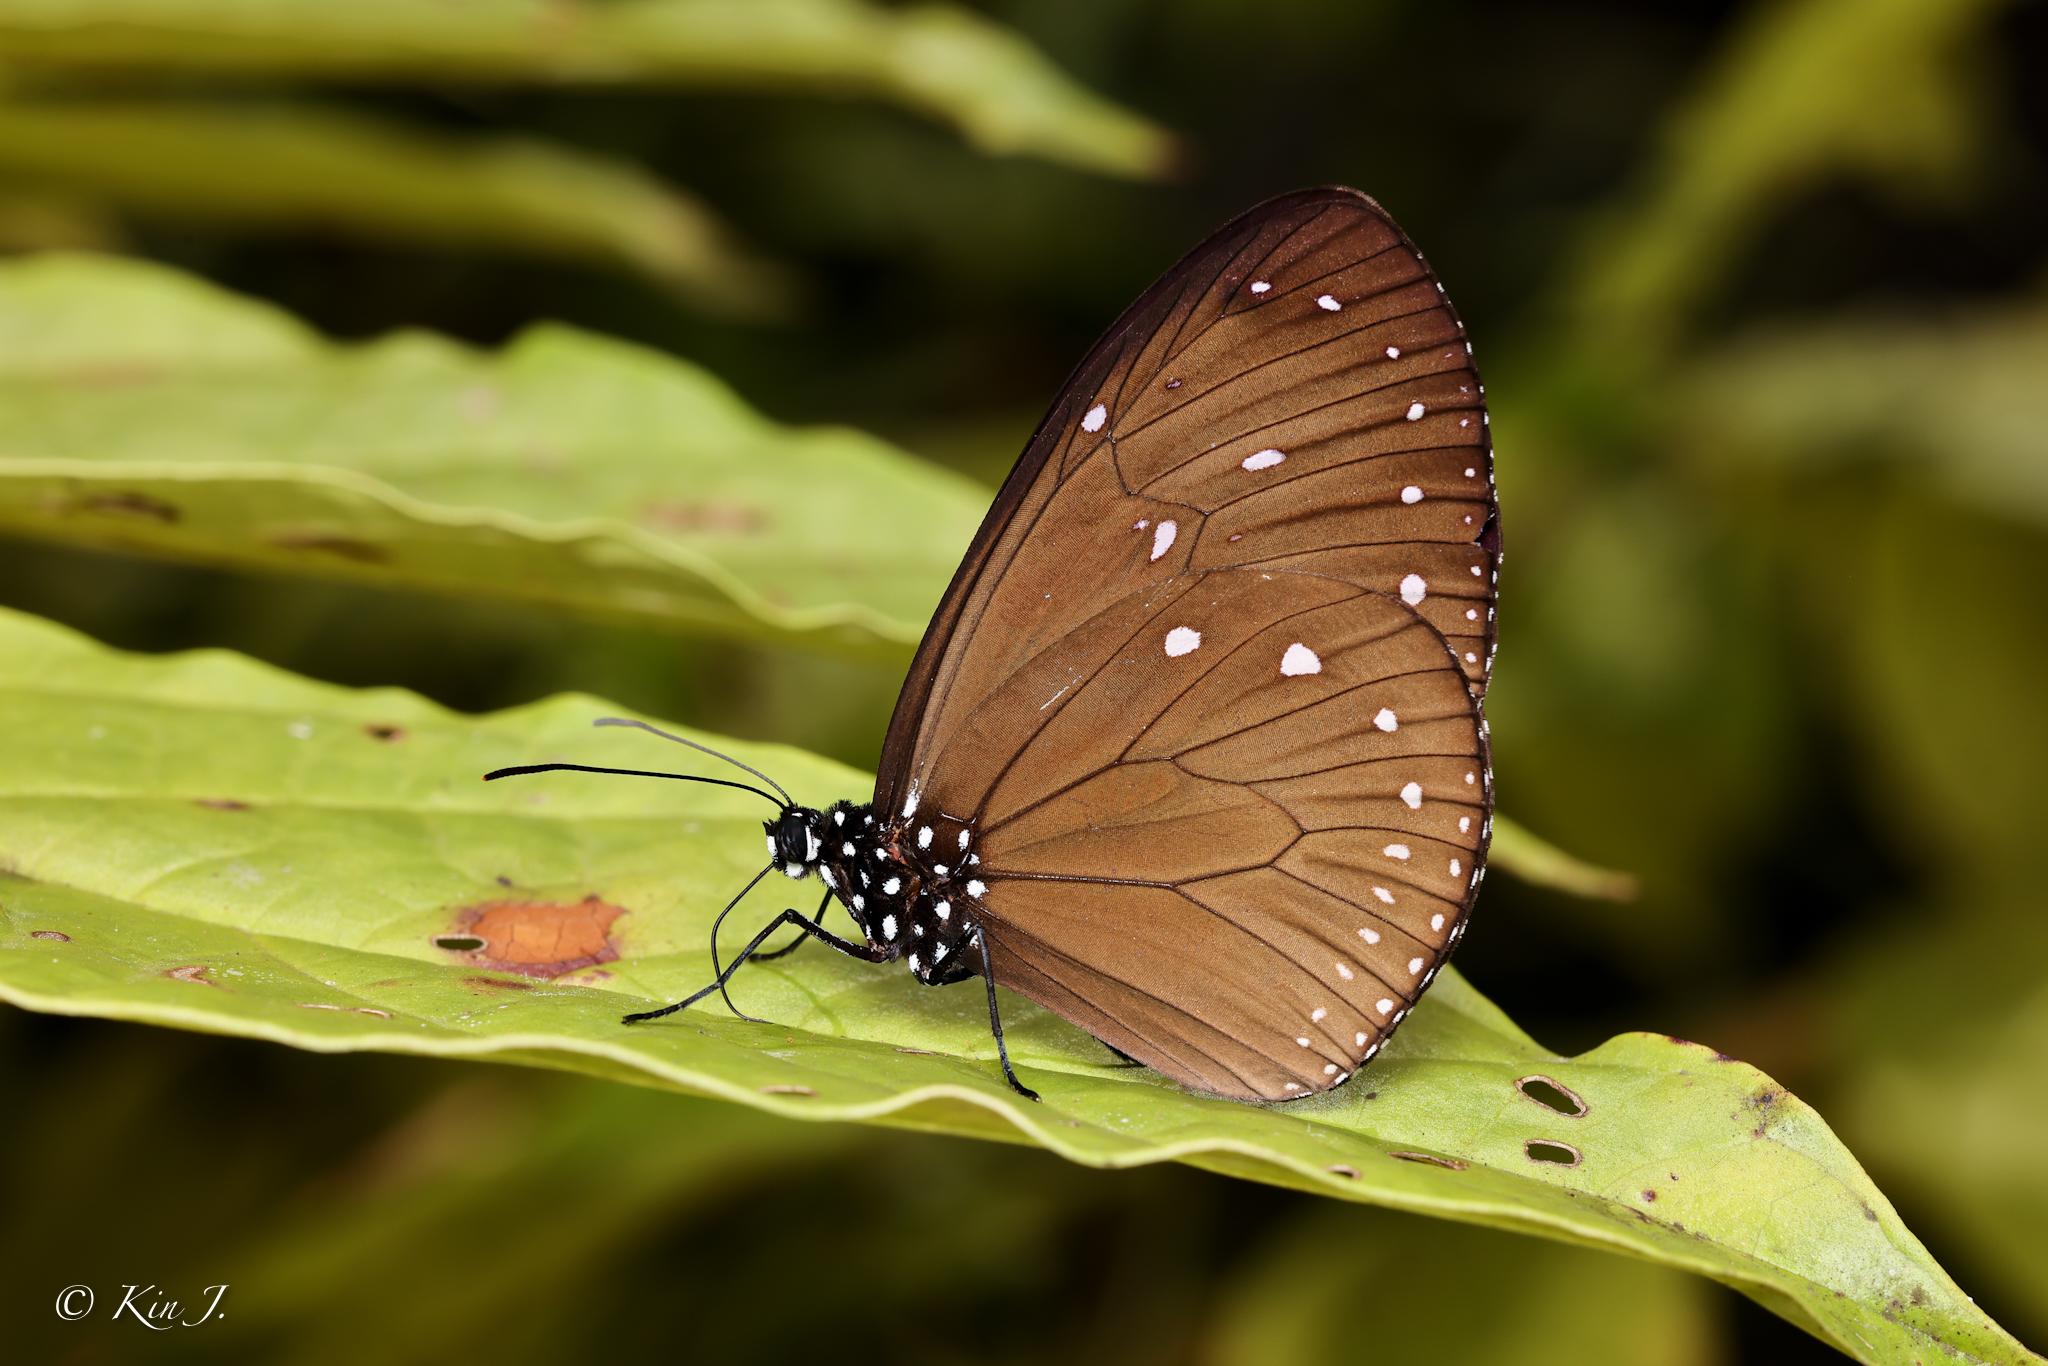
[483, 983]
[57, 935]
[388, 734]
[353, 1010]
[918, 1052]
[1650, 1197]
[712, 516]
[537, 938]
[341, 547]
[220, 803]
[191, 972]
[1868, 1212]
[787, 1089]
[128, 503]
[1348, 1173]
[1430, 1159]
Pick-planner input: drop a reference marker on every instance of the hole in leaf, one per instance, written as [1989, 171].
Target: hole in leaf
[460, 943]
[1552, 1094]
[1551, 1151]
[1430, 1159]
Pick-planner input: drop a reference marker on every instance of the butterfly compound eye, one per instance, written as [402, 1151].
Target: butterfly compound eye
[793, 837]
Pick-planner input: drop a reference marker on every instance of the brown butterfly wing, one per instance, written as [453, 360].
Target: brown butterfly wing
[1207, 682]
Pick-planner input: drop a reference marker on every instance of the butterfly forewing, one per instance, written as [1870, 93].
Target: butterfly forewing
[1207, 684]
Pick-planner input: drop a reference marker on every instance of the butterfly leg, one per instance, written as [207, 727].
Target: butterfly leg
[995, 1022]
[865, 952]
[793, 945]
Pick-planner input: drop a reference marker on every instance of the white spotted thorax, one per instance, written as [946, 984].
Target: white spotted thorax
[909, 883]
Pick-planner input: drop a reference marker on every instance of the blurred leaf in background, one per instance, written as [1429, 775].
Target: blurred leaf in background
[1757, 296]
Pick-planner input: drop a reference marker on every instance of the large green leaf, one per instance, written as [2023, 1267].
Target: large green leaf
[996, 89]
[202, 841]
[142, 409]
[1957, 399]
[270, 166]
[1879, 90]
[1544, 1306]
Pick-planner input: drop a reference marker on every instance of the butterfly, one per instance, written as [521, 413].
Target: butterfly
[1193, 752]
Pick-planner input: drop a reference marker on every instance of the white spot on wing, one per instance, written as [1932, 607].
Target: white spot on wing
[1393, 353]
[1264, 460]
[1412, 494]
[1369, 935]
[1096, 417]
[1415, 412]
[1414, 589]
[1162, 538]
[1396, 851]
[1386, 720]
[1182, 640]
[1299, 659]
[1328, 303]
[1412, 795]
[1261, 286]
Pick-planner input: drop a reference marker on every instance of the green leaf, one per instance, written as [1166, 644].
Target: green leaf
[269, 166]
[1544, 1306]
[997, 90]
[1535, 861]
[1882, 92]
[1957, 399]
[204, 842]
[145, 410]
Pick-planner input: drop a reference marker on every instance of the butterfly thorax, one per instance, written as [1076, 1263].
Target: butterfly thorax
[909, 883]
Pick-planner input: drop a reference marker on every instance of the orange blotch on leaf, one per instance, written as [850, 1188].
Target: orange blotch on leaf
[538, 938]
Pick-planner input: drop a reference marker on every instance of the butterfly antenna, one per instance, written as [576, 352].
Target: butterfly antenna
[701, 749]
[520, 769]
[717, 967]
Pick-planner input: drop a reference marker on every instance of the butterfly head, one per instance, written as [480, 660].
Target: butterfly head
[795, 839]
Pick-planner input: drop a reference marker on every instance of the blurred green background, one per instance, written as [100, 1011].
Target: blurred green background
[1757, 291]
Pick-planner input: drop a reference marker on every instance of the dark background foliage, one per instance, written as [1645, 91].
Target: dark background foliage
[1756, 290]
